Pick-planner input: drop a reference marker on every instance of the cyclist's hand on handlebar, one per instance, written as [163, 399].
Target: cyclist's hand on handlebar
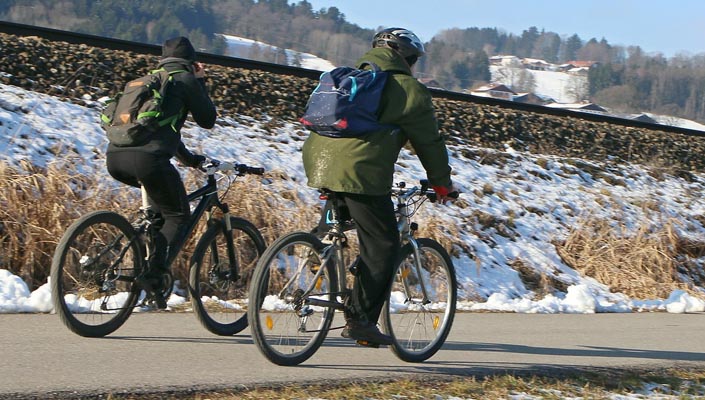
[196, 161]
[445, 194]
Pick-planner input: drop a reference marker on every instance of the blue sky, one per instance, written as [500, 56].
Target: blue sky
[668, 27]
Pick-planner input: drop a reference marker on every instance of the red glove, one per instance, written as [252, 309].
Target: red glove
[445, 194]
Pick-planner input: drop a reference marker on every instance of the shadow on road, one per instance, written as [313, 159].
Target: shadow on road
[237, 339]
[585, 351]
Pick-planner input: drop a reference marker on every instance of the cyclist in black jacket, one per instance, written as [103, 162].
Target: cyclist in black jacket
[149, 164]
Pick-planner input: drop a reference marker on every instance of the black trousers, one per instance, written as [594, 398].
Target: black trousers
[166, 192]
[379, 248]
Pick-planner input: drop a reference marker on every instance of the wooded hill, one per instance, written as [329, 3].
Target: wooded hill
[625, 80]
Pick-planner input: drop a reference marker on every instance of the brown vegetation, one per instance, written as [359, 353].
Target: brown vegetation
[37, 205]
[650, 263]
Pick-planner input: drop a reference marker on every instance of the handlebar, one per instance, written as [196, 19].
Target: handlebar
[213, 166]
[405, 193]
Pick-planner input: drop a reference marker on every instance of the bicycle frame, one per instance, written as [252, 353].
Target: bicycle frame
[407, 228]
[208, 195]
[334, 251]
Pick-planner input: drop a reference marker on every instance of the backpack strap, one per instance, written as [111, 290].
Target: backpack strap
[171, 121]
[374, 66]
[376, 70]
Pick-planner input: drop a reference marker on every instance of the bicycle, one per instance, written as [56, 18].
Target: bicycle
[300, 281]
[98, 263]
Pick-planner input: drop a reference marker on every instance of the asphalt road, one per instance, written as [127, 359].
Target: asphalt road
[158, 352]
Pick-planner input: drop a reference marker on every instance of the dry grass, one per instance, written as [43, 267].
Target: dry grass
[540, 283]
[587, 385]
[649, 263]
[38, 204]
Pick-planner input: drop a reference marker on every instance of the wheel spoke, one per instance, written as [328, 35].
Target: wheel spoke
[95, 247]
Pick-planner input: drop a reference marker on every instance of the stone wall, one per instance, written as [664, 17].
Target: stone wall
[79, 72]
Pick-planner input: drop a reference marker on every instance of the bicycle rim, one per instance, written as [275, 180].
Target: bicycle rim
[93, 272]
[286, 329]
[420, 325]
[220, 300]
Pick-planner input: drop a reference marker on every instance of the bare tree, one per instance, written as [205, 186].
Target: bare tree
[578, 88]
[518, 79]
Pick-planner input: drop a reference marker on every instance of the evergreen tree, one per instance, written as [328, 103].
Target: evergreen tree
[603, 76]
[571, 48]
[527, 42]
[480, 67]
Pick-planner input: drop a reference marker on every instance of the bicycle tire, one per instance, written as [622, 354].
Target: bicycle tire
[93, 274]
[219, 301]
[279, 330]
[419, 330]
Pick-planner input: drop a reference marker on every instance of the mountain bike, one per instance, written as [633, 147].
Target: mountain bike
[300, 281]
[98, 264]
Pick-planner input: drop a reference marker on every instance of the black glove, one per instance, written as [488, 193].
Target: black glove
[195, 160]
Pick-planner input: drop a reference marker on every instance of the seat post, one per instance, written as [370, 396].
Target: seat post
[146, 206]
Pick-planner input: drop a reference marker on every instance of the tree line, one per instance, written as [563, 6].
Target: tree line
[626, 79]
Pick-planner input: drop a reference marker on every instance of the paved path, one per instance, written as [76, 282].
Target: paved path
[172, 352]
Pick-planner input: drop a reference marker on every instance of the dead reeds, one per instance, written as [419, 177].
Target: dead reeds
[38, 204]
[649, 262]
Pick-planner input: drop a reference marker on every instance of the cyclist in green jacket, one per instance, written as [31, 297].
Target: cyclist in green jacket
[361, 170]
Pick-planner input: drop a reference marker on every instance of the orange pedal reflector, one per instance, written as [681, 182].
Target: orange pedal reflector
[436, 322]
[269, 322]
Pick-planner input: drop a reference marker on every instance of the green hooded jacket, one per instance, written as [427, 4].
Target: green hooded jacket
[365, 165]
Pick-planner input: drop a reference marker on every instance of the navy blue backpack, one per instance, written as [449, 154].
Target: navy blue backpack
[346, 101]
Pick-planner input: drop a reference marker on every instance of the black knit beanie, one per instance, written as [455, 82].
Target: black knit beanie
[179, 47]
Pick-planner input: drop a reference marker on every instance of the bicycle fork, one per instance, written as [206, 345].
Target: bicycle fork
[233, 271]
[418, 268]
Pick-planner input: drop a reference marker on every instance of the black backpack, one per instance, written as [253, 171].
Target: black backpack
[346, 101]
[134, 114]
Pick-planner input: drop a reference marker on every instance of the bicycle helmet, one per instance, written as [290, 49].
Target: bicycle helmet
[403, 41]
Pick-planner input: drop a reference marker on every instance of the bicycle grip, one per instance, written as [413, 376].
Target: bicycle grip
[255, 170]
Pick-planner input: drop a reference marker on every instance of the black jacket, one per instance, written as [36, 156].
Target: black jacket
[187, 93]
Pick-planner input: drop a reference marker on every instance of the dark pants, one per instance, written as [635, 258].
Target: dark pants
[166, 192]
[379, 248]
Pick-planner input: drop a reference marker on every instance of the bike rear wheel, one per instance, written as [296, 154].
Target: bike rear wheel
[218, 297]
[286, 329]
[93, 274]
[421, 325]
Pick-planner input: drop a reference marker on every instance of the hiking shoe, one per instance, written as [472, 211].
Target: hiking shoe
[155, 291]
[159, 301]
[366, 334]
[153, 301]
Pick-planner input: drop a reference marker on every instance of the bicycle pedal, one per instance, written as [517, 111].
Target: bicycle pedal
[367, 344]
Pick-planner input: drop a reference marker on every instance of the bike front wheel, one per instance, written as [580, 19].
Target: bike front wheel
[286, 327]
[421, 306]
[219, 278]
[93, 274]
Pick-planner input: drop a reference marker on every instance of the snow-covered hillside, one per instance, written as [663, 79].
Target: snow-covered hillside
[559, 86]
[532, 201]
[567, 89]
[242, 48]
